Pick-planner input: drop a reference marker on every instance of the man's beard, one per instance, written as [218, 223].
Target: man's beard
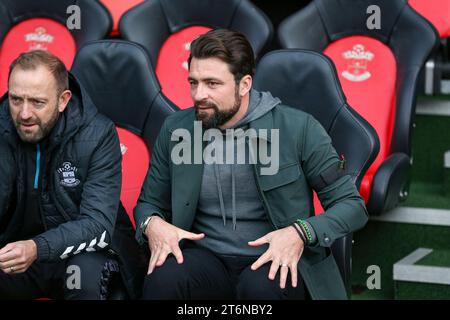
[42, 131]
[217, 118]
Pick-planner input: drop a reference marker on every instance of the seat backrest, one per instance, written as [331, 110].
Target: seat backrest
[118, 76]
[378, 61]
[117, 8]
[437, 12]
[307, 80]
[167, 27]
[31, 25]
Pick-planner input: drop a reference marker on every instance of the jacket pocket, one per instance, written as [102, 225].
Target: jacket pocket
[286, 174]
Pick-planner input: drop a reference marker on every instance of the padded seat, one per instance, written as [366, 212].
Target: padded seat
[307, 80]
[118, 76]
[32, 25]
[378, 69]
[166, 28]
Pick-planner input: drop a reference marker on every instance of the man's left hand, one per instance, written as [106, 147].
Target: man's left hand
[285, 250]
[17, 257]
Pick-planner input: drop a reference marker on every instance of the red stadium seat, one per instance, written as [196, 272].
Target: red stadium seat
[166, 27]
[118, 76]
[135, 160]
[437, 12]
[437, 68]
[378, 69]
[117, 8]
[31, 25]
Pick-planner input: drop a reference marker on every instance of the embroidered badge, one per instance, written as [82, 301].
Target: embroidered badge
[67, 175]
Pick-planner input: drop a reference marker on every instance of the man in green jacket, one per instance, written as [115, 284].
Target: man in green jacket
[239, 195]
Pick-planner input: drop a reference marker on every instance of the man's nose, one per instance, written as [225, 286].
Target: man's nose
[26, 113]
[200, 93]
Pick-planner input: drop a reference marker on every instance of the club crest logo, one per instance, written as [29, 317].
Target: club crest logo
[39, 39]
[358, 59]
[67, 175]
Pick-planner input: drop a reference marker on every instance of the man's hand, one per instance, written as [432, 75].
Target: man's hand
[163, 239]
[285, 250]
[17, 257]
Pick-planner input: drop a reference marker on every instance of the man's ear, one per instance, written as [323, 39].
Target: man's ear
[63, 100]
[245, 85]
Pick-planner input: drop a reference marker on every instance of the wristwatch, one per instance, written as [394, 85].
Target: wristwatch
[144, 225]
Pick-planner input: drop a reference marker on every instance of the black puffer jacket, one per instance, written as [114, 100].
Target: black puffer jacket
[81, 186]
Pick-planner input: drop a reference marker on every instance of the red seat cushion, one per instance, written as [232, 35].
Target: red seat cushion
[172, 69]
[135, 163]
[435, 11]
[367, 71]
[33, 34]
[117, 8]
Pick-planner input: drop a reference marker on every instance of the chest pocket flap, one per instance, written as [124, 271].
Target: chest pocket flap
[285, 175]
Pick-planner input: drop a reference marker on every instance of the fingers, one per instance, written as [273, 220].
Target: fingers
[10, 255]
[259, 242]
[162, 258]
[265, 257]
[190, 235]
[274, 269]
[177, 253]
[153, 258]
[6, 248]
[294, 275]
[159, 256]
[15, 268]
[284, 269]
[8, 264]
[9, 259]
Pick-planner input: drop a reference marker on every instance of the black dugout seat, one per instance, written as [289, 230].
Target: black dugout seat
[117, 8]
[166, 28]
[379, 48]
[307, 80]
[119, 79]
[30, 25]
[438, 67]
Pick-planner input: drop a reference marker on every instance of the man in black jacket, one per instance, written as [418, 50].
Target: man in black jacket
[60, 179]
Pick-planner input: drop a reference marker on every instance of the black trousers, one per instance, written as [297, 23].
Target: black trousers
[204, 275]
[76, 278]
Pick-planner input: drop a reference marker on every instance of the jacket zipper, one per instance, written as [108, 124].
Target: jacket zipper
[38, 166]
[36, 184]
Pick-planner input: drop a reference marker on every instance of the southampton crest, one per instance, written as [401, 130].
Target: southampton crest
[67, 175]
[357, 62]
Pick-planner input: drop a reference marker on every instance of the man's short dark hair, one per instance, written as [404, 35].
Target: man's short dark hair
[231, 47]
[31, 60]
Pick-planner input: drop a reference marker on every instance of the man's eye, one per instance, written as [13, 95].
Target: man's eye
[213, 84]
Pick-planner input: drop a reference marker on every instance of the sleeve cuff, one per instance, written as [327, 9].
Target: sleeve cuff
[313, 234]
[140, 237]
[43, 249]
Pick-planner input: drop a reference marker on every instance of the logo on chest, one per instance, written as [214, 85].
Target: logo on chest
[67, 176]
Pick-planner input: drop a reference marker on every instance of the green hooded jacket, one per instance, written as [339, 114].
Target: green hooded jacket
[305, 150]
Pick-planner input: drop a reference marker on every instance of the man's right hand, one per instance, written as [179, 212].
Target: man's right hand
[163, 239]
